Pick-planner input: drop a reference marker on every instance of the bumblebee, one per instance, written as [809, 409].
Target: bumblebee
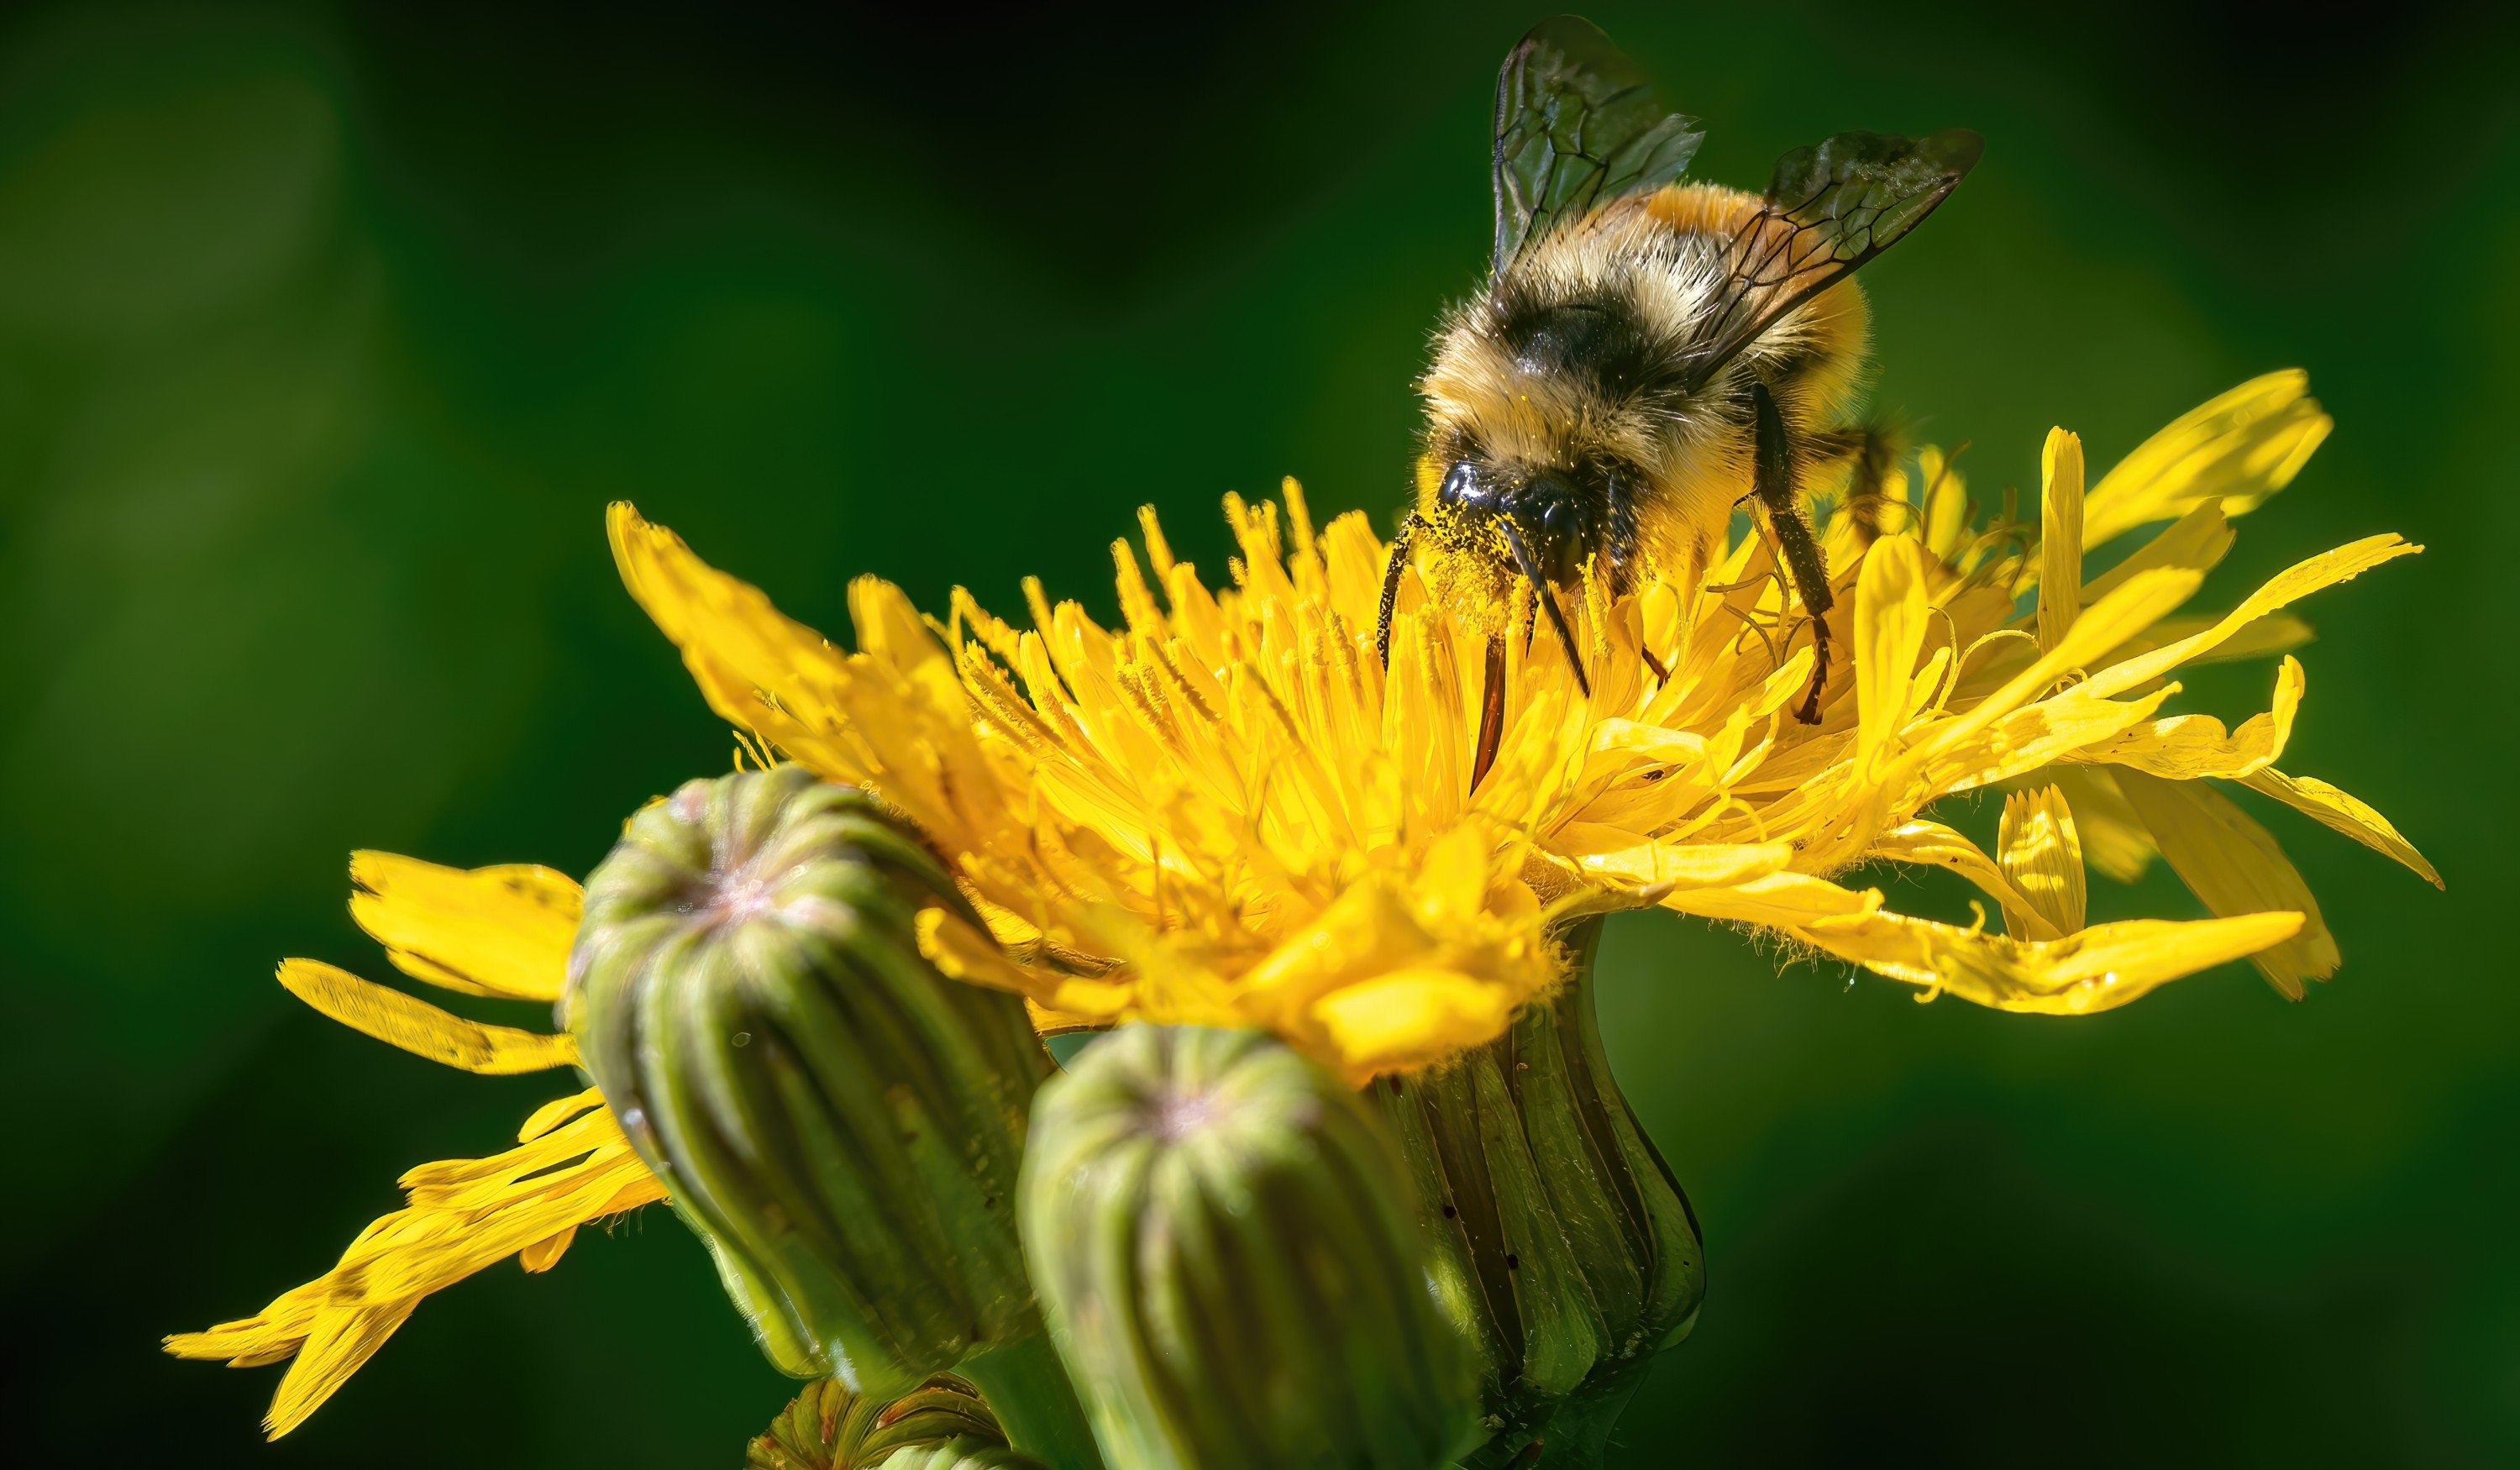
[1646, 355]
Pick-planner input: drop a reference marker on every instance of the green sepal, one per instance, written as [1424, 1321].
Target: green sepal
[776, 1326]
[1557, 1226]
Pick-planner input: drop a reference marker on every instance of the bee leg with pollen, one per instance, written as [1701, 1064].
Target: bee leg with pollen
[1401, 537]
[1773, 484]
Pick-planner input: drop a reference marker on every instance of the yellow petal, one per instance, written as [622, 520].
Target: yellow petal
[2198, 542]
[2343, 813]
[2240, 448]
[1082, 1005]
[2103, 626]
[1789, 900]
[2062, 726]
[2096, 969]
[558, 1111]
[543, 1254]
[463, 1215]
[1666, 865]
[270, 1335]
[1411, 1018]
[2187, 747]
[420, 1028]
[1049, 1021]
[1453, 878]
[1945, 502]
[2043, 856]
[1936, 846]
[2115, 839]
[2275, 633]
[1890, 617]
[2235, 867]
[964, 953]
[710, 616]
[492, 931]
[1057, 1003]
[1931, 842]
[337, 1343]
[1158, 551]
[2060, 536]
[2295, 582]
[892, 717]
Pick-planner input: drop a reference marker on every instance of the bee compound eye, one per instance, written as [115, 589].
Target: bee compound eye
[1462, 485]
[1540, 495]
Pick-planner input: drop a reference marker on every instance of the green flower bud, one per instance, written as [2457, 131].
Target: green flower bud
[1222, 1235]
[963, 1454]
[1563, 1245]
[829, 1428]
[841, 1123]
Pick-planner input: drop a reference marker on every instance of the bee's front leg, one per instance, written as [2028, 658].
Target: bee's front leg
[1391, 569]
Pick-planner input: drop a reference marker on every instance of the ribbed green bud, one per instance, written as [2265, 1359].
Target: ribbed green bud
[1223, 1236]
[963, 1454]
[1564, 1244]
[829, 1428]
[841, 1123]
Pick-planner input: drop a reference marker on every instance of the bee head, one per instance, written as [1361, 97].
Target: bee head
[1562, 513]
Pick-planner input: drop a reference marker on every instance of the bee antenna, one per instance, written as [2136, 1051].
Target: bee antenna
[1548, 596]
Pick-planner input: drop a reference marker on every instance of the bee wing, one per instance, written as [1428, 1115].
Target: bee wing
[1831, 207]
[1576, 123]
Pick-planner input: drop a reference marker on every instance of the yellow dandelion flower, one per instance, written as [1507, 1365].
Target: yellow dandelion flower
[1226, 810]
[493, 931]
[1230, 811]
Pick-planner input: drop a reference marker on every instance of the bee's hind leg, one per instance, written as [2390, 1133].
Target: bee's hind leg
[1773, 483]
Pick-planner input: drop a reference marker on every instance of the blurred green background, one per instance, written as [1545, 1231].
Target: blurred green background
[326, 331]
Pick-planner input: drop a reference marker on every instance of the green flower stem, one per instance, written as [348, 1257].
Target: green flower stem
[1029, 1392]
[1578, 1433]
